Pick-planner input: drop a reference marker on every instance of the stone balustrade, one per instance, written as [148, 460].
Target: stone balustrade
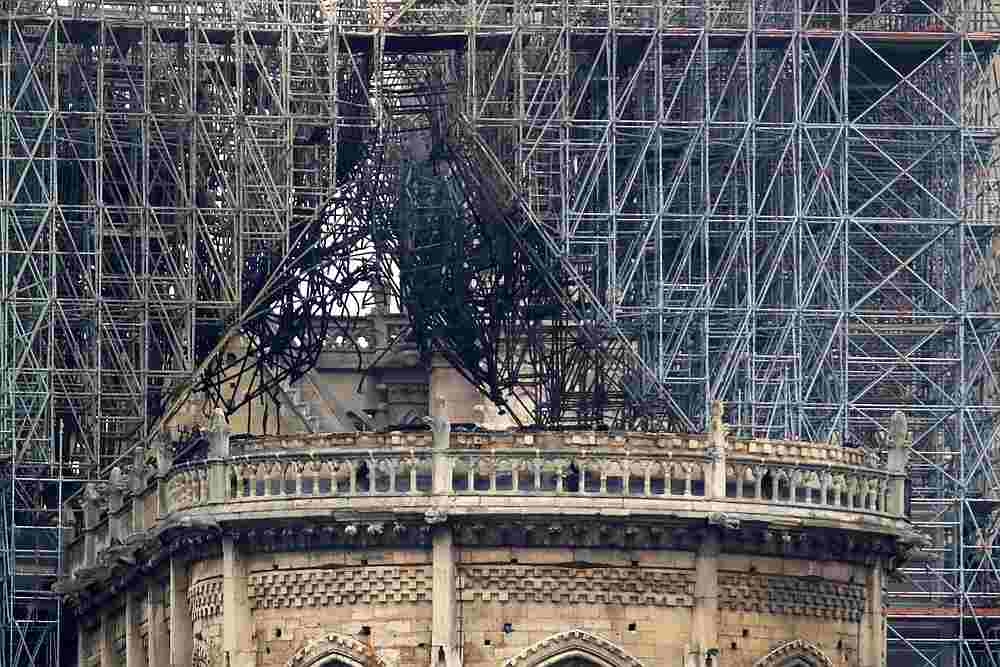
[424, 472]
[566, 472]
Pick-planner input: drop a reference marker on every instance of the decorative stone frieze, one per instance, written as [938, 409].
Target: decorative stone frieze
[658, 587]
[342, 586]
[574, 642]
[798, 596]
[205, 599]
[752, 538]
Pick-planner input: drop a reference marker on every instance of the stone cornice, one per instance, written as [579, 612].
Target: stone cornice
[126, 566]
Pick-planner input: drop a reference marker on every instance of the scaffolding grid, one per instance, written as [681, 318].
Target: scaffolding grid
[787, 205]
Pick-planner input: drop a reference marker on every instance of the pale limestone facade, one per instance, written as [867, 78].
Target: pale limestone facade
[490, 549]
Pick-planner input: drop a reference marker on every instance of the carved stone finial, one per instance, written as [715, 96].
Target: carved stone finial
[91, 505]
[898, 431]
[440, 426]
[717, 411]
[137, 473]
[163, 450]
[218, 435]
[217, 422]
[898, 442]
[116, 489]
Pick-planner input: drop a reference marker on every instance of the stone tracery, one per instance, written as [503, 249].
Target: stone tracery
[798, 653]
[574, 644]
[334, 648]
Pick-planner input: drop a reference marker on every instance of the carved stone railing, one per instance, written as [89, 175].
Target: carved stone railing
[429, 472]
[565, 472]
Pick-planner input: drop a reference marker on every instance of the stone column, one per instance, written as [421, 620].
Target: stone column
[441, 432]
[159, 650]
[133, 642]
[91, 515]
[116, 505]
[715, 485]
[873, 635]
[446, 651]
[181, 629]
[704, 617]
[237, 623]
[899, 444]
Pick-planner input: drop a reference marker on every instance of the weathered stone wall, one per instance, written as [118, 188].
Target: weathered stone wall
[512, 600]
[765, 602]
[640, 601]
[204, 598]
[298, 597]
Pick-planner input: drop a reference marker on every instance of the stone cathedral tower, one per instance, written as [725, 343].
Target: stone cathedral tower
[490, 548]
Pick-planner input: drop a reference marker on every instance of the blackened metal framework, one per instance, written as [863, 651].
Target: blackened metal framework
[631, 209]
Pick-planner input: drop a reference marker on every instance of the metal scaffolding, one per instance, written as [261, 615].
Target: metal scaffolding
[605, 214]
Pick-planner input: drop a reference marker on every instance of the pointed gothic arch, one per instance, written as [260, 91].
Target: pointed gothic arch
[798, 653]
[333, 647]
[574, 644]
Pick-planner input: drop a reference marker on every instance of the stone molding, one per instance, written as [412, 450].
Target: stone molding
[572, 642]
[205, 599]
[341, 647]
[657, 587]
[196, 539]
[792, 650]
[349, 585]
[798, 596]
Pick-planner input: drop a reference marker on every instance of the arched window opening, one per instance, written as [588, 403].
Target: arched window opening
[796, 653]
[575, 648]
[334, 650]
[336, 662]
[574, 659]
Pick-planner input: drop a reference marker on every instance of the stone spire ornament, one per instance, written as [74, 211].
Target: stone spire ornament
[716, 413]
[218, 435]
[899, 443]
[440, 426]
[163, 451]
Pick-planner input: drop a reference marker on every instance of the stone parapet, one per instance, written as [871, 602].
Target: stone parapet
[492, 474]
